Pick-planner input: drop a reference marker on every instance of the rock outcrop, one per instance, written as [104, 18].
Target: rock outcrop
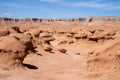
[13, 49]
[105, 58]
[12, 52]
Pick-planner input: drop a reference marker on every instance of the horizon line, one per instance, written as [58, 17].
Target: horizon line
[56, 17]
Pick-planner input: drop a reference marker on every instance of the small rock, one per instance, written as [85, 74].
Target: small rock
[62, 50]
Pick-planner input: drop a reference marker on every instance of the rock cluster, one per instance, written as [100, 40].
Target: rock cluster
[15, 44]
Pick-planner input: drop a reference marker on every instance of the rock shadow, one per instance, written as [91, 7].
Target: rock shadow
[29, 66]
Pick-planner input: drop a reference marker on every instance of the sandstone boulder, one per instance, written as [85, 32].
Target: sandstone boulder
[4, 32]
[62, 50]
[46, 36]
[12, 52]
[80, 35]
[36, 32]
[47, 48]
[25, 40]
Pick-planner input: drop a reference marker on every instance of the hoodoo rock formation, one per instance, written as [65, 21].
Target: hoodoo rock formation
[14, 48]
[12, 52]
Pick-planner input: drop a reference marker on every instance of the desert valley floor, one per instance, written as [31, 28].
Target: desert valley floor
[60, 51]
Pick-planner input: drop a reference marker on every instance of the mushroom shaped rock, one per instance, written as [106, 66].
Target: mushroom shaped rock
[12, 52]
[25, 40]
[36, 32]
[46, 36]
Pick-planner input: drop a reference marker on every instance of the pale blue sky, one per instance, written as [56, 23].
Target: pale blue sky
[58, 8]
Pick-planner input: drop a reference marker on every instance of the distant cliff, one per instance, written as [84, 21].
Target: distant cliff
[37, 20]
[102, 18]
